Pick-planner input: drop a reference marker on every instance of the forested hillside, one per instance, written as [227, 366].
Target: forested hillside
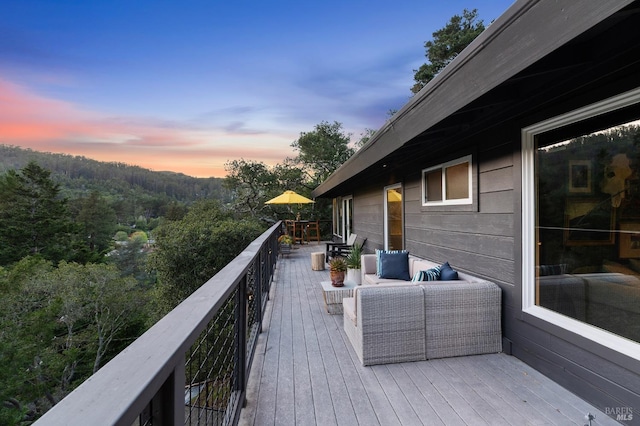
[78, 176]
[92, 254]
[76, 286]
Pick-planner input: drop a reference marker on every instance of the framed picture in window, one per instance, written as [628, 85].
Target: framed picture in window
[580, 176]
[589, 222]
[630, 240]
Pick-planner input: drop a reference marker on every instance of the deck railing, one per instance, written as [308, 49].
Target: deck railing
[191, 367]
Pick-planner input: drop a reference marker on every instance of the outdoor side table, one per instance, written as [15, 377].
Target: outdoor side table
[333, 295]
[317, 261]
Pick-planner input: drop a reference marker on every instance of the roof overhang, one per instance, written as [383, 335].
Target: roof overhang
[525, 34]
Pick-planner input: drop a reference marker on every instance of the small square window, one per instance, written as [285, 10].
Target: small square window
[448, 183]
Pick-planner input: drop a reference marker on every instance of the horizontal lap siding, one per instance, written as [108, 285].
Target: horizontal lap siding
[597, 378]
[481, 242]
[368, 211]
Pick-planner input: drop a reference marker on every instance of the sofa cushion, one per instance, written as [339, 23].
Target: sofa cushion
[373, 279]
[559, 269]
[416, 264]
[431, 274]
[378, 263]
[447, 273]
[394, 265]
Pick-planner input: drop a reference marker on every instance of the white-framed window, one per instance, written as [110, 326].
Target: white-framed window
[581, 222]
[448, 183]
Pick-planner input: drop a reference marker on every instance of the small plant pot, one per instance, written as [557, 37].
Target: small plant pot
[354, 275]
[337, 278]
[285, 249]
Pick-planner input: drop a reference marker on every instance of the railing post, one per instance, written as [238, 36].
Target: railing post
[240, 354]
[257, 303]
[167, 406]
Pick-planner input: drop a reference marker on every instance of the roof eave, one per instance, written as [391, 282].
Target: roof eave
[527, 32]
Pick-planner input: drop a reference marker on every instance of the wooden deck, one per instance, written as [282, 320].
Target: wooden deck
[306, 373]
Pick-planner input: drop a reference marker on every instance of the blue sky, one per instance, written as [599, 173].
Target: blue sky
[189, 85]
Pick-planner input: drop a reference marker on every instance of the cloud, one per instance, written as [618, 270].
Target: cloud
[45, 124]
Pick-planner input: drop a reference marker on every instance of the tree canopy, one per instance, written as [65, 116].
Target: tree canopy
[190, 251]
[323, 150]
[58, 326]
[447, 43]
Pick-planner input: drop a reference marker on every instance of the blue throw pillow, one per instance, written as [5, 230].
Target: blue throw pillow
[447, 273]
[432, 274]
[395, 266]
[378, 263]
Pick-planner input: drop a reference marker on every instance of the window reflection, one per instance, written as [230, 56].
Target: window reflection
[588, 225]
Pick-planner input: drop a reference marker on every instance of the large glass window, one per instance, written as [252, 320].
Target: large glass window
[448, 183]
[581, 216]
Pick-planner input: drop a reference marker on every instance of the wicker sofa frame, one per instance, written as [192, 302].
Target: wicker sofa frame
[402, 321]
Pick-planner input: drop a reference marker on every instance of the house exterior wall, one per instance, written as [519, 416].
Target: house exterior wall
[487, 238]
[487, 242]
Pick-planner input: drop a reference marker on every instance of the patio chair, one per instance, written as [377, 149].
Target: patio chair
[313, 231]
[341, 249]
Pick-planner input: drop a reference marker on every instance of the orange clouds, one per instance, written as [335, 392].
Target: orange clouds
[50, 125]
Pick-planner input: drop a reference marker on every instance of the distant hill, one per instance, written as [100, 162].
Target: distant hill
[78, 176]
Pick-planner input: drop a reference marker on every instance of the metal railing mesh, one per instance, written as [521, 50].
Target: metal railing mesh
[210, 366]
[253, 287]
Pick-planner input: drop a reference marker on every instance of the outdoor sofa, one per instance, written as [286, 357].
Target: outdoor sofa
[399, 320]
[591, 297]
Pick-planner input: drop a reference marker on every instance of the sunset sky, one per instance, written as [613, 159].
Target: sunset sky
[188, 85]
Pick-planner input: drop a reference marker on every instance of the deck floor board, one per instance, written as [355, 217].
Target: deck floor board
[305, 372]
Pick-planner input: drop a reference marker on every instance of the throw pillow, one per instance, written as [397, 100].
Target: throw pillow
[395, 266]
[378, 252]
[447, 273]
[432, 274]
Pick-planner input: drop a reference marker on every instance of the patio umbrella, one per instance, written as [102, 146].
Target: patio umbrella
[289, 197]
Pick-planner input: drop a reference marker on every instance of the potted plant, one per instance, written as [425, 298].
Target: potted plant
[354, 264]
[285, 241]
[337, 271]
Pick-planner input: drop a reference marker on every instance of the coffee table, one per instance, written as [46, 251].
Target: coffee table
[333, 295]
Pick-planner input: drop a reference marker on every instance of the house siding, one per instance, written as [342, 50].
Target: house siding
[487, 243]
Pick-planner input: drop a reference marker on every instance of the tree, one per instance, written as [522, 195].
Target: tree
[251, 182]
[130, 257]
[322, 150]
[33, 216]
[365, 136]
[190, 251]
[288, 175]
[98, 222]
[447, 43]
[58, 326]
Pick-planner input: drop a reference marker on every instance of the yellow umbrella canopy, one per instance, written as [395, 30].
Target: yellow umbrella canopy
[289, 197]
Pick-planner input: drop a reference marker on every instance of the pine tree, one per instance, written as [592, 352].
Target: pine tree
[33, 217]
